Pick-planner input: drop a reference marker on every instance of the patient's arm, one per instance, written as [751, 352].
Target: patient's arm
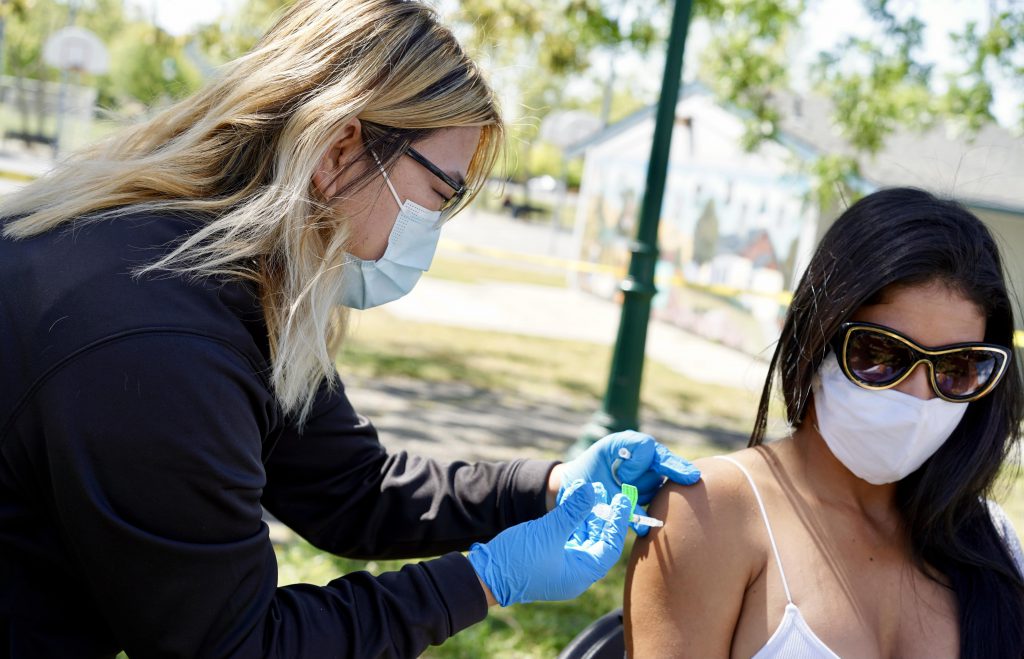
[686, 581]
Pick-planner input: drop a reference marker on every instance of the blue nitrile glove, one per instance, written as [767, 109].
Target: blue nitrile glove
[648, 463]
[554, 557]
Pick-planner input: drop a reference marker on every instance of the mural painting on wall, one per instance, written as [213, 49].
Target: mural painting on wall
[729, 247]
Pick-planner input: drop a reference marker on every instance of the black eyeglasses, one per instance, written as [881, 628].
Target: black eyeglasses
[460, 190]
[878, 357]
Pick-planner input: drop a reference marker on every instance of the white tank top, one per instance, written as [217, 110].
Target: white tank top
[793, 638]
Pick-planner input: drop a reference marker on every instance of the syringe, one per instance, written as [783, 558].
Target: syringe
[604, 511]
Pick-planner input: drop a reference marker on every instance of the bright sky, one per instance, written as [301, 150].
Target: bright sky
[179, 16]
[827, 21]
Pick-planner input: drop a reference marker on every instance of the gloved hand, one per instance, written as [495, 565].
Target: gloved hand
[557, 556]
[647, 463]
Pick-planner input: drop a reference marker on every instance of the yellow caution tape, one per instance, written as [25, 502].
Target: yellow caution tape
[783, 297]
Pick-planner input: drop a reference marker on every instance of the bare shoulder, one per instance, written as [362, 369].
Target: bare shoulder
[686, 580]
[718, 505]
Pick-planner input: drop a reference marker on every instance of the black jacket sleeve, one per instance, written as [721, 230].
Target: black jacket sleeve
[337, 487]
[153, 449]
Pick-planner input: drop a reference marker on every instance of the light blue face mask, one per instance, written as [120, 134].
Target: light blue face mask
[410, 250]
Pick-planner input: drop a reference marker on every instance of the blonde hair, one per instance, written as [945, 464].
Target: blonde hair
[243, 151]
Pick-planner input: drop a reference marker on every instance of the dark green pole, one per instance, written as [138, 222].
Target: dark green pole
[622, 397]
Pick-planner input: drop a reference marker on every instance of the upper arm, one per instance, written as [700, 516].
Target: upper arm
[337, 487]
[686, 580]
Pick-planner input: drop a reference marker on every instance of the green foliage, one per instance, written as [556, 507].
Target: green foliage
[241, 31]
[547, 43]
[832, 181]
[746, 60]
[878, 85]
[14, 8]
[24, 35]
[546, 159]
[969, 94]
[560, 34]
[147, 65]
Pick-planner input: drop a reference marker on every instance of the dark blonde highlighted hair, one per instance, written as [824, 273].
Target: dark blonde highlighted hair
[243, 150]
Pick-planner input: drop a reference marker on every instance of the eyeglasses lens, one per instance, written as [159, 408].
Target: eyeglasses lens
[876, 358]
[963, 373]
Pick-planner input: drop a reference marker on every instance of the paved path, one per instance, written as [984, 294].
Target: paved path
[16, 164]
[561, 313]
[574, 315]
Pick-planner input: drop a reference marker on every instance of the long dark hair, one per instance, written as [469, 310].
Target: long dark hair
[908, 236]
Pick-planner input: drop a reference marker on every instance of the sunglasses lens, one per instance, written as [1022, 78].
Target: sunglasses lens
[875, 358]
[964, 373]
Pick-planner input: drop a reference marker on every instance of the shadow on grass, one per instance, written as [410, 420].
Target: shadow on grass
[457, 420]
[579, 387]
[432, 365]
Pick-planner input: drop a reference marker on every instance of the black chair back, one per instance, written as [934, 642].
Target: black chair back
[604, 638]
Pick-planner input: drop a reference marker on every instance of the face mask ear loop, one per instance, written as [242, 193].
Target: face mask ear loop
[387, 179]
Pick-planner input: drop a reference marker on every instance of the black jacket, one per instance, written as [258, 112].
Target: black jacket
[138, 439]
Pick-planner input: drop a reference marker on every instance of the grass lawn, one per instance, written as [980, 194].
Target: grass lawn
[572, 372]
[540, 629]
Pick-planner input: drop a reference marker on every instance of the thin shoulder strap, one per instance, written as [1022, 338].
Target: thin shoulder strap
[767, 524]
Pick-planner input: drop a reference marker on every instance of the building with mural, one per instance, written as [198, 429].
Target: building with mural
[736, 228]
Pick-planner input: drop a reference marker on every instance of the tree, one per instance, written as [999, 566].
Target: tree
[875, 86]
[8, 9]
[243, 28]
[545, 43]
[147, 65]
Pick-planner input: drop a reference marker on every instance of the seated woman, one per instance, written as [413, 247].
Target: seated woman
[866, 531]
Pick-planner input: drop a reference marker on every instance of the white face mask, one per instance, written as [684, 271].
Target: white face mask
[410, 250]
[881, 436]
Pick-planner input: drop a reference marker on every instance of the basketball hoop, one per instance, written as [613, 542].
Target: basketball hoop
[77, 50]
